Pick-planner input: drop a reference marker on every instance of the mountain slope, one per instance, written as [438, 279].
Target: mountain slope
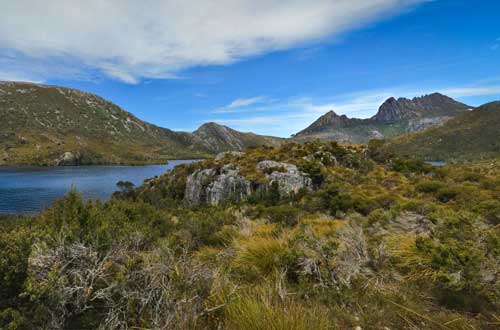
[394, 117]
[48, 125]
[218, 138]
[470, 136]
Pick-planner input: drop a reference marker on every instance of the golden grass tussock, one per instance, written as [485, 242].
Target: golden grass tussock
[265, 308]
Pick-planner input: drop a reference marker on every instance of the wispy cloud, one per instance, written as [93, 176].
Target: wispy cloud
[121, 40]
[287, 116]
[239, 105]
[471, 91]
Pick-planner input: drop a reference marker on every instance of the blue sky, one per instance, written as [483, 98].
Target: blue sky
[271, 67]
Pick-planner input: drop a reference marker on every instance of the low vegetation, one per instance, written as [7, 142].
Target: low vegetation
[471, 136]
[377, 243]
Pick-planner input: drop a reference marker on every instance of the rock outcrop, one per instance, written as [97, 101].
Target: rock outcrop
[424, 123]
[68, 159]
[213, 187]
[216, 186]
[325, 157]
[287, 176]
[229, 185]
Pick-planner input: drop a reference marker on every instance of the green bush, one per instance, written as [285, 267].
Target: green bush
[490, 210]
[447, 194]
[430, 186]
[15, 247]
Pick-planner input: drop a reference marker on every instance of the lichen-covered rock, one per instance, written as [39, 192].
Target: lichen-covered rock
[68, 159]
[230, 185]
[214, 187]
[196, 185]
[287, 176]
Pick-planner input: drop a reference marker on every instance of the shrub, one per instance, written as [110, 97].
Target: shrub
[408, 166]
[430, 186]
[283, 214]
[447, 194]
[15, 247]
[315, 170]
[490, 210]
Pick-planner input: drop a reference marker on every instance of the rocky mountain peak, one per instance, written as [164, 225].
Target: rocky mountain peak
[218, 138]
[432, 105]
[328, 121]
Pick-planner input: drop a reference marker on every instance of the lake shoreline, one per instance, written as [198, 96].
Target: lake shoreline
[27, 190]
[100, 164]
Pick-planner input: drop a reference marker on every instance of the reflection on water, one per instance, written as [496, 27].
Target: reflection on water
[25, 190]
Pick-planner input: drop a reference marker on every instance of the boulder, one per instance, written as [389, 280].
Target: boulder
[68, 159]
[214, 187]
[287, 176]
[230, 185]
[196, 184]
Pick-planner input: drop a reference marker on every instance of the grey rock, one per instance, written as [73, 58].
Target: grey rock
[325, 157]
[210, 187]
[196, 185]
[424, 123]
[68, 159]
[287, 176]
[375, 134]
[230, 185]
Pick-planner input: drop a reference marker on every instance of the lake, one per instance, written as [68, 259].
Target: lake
[27, 190]
[436, 163]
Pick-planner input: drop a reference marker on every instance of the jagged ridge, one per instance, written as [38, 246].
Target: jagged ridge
[394, 117]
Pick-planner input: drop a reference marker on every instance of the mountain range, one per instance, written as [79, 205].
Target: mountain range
[393, 118]
[50, 125]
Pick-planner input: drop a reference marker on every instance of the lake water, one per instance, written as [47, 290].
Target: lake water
[27, 190]
[436, 163]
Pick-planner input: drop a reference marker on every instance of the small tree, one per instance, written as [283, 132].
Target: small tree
[125, 186]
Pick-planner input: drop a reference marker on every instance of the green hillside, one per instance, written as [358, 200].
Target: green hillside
[49, 125]
[219, 138]
[473, 135]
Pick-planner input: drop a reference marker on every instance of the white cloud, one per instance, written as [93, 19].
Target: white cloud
[239, 105]
[129, 40]
[471, 91]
